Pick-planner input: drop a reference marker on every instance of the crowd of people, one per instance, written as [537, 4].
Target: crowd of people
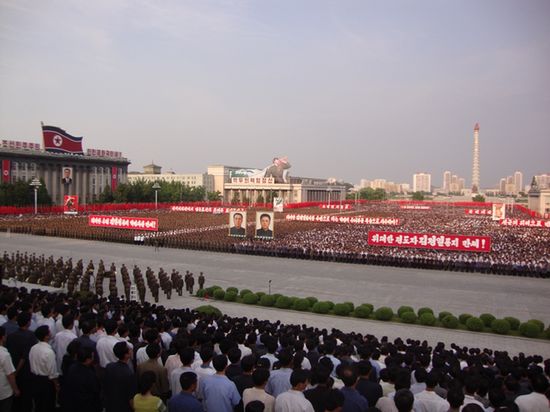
[106, 353]
[521, 251]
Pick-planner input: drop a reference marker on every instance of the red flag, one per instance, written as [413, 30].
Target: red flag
[6, 169]
[57, 140]
[114, 178]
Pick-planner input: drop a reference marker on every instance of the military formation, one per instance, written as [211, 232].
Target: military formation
[60, 273]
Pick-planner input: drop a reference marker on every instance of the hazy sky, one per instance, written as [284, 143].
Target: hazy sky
[346, 89]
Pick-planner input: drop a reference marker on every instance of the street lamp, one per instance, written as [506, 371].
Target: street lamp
[156, 188]
[35, 184]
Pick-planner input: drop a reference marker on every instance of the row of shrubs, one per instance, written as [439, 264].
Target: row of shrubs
[424, 316]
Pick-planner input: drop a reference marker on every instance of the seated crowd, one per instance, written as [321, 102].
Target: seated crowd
[119, 355]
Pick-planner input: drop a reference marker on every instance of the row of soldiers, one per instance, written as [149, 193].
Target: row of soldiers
[58, 273]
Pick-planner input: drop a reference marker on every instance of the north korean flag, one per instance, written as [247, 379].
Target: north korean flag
[57, 140]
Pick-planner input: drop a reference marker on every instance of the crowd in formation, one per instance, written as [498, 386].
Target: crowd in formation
[106, 353]
[520, 251]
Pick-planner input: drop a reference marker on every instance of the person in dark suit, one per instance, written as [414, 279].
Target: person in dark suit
[264, 230]
[237, 229]
[119, 382]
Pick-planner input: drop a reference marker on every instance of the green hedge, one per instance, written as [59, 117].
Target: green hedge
[301, 304]
[321, 307]
[384, 313]
[250, 299]
[427, 319]
[529, 329]
[463, 318]
[210, 290]
[230, 296]
[201, 293]
[219, 294]
[260, 294]
[363, 311]
[408, 317]
[546, 334]
[421, 311]
[350, 305]
[487, 319]
[342, 309]
[450, 322]
[475, 324]
[443, 315]
[267, 300]
[514, 322]
[500, 326]
[244, 292]
[232, 289]
[312, 300]
[539, 324]
[209, 310]
[403, 309]
[283, 302]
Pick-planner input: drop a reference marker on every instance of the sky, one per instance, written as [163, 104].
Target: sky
[346, 89]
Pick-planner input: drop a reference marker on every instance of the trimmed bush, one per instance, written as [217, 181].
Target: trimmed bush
[209, 310]
[408, 317]
[210, 290]
[538, 323]
[546, 334]
[321, 307]
[292, 300]
[474, 324]
[421, 311]
[487, 319]
[283, 302]
[267, 300]
[301, 305]
[244, 292]
[260, 294]
[403, 309]
[219, 294]
[368, 305]
[342, 309]
[514, 322]
[276, 296]
[250, 299]
[330, 304]
[383, 313]
[529, 329]
[463, 318]
[232, 289]
[450, 322]
[312, 300]
[363, 311]
[427, 319]
[443, 315]
[500, 326]
[201, 293]
[350, 305]
[230, 296]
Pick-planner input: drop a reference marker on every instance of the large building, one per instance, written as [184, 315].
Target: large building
[422, 182]
[85, 175]
[153, 173]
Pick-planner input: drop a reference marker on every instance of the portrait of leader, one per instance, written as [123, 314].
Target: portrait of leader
[264, 225]
[237, 224]
[67, 178]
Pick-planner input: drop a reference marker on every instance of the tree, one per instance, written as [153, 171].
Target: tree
[213, 196]
[260, 198]
[369, 193]
[106, 196]
[418, 196]
[478, 198]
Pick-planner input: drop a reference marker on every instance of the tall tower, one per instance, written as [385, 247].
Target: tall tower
[475, 165]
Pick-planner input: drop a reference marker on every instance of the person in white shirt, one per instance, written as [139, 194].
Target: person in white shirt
[294, 400]
[62, 339]
[536, 401]
[44, 371]
[149, 336]
[258, 393]
[47, 318]
[186, 356]
[428, 400]
[8, 386]
[106, 344]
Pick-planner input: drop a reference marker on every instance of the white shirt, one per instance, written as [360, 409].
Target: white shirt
[245, 350]
[172, 362]
[203, 372]
[6, 368]
[255, 394]
[534, 402]
[174, 378]
[42, 360]
[292, 401]
[49, 322]
[104, 350]
[60, 343]
[141, 356]
[470, 399]
[166, 340]
[429, 401]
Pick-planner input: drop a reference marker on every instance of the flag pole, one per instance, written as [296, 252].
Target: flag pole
[43, 141]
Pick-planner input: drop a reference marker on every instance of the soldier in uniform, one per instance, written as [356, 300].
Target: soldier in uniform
[201, 281]
[191, 283]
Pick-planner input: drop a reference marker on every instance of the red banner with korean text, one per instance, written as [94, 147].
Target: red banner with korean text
[6, 171]
[354, 220]
[415, 207]
[478, 212]
[430, 241]
[336, 206]
[207, 209]
[120, 222]
[114, 178]
[526, 223]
